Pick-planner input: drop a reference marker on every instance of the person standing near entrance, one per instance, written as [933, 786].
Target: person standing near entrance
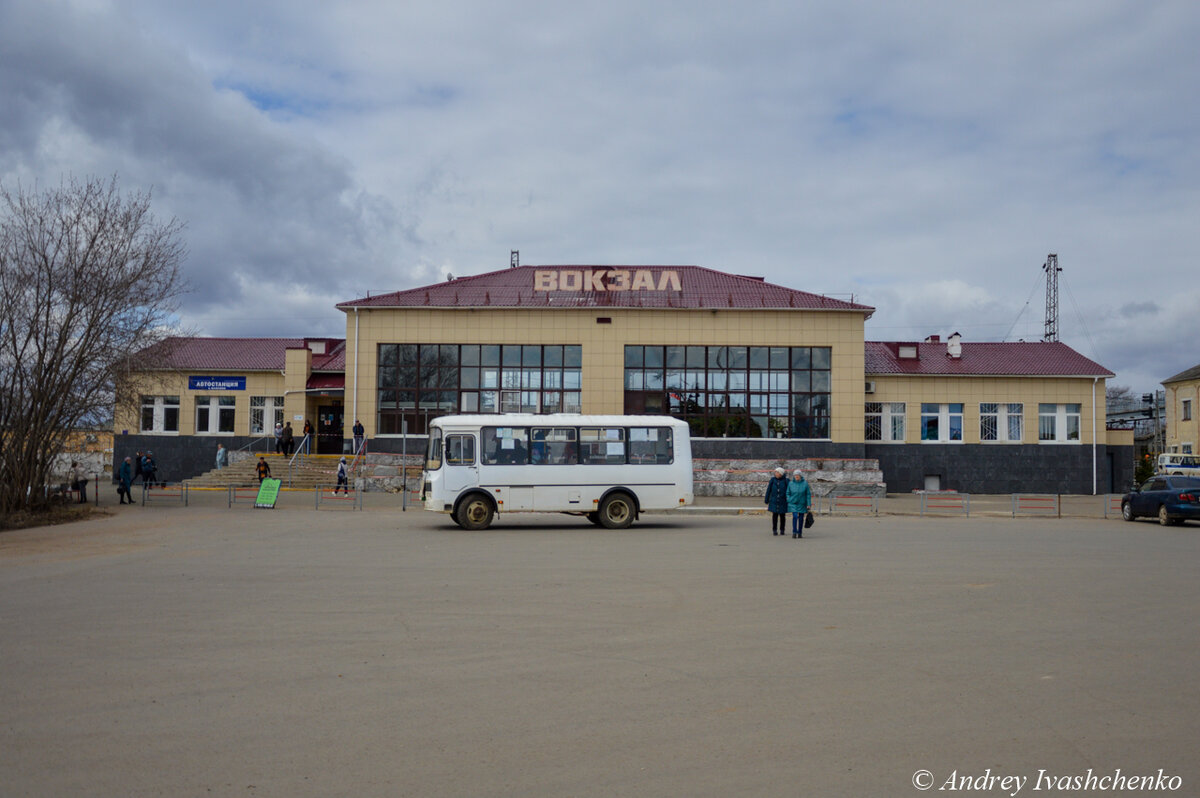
[799, 499]
[222, 456]
[777, 502]
[289, 444]
[308, 437]
[278, 438]
[359, 433]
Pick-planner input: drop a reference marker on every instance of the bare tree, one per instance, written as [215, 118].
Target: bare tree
[87, 277]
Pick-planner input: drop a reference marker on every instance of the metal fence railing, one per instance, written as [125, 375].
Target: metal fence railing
[944, 502]
[165, 492]
[1043, 504]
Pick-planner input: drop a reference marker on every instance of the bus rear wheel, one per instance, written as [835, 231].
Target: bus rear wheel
[475, 512]
[616, 511]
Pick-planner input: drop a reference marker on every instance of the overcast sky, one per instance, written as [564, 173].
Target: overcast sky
[923, 158]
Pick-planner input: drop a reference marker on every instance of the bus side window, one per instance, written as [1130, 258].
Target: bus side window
[601, 446]
[552, 446]
[650, 445]
[505, 445]
[460, 450]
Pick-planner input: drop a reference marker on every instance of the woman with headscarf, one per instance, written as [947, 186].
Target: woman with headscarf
[776, 500]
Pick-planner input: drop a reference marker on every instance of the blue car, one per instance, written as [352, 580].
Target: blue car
[1171, 499]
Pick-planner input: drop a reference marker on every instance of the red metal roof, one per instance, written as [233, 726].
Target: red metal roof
[1020, 359]
[241, 354]
[683, 287]
[330, 381]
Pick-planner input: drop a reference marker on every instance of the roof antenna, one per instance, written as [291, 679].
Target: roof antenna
[1052, 269]
[514, 258]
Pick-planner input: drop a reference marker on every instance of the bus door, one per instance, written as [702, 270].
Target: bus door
[462, 467]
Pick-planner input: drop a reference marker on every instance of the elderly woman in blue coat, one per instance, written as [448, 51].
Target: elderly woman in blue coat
[799, 499]
[776, 500]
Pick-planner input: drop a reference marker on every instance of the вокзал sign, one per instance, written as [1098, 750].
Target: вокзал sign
[606, 280]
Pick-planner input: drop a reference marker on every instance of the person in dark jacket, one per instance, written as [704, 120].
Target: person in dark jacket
[125, 481]
[149, 470]
[289, 444]
[776, 501]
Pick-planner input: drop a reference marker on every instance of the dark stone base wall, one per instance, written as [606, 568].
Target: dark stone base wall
[772, 449]
[181, 457]
[975, 468]
[967, 468]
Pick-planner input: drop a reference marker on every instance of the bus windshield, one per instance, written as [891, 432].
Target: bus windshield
[433, 450]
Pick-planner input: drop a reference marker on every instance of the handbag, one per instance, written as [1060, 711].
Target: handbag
[808, 519]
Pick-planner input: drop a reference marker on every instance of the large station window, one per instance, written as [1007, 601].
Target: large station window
[418, 382]
[734, 391]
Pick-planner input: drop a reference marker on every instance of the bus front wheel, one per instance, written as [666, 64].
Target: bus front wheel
[617, 511]
[475, 512]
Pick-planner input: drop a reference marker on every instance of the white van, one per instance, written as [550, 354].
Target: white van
[1185, 464]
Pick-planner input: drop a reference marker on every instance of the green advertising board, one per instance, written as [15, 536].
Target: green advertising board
[268, 492]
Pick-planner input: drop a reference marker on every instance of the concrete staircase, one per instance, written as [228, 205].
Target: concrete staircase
[307, 472]
[826, 476]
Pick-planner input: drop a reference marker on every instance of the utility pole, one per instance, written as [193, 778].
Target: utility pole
[1052, 269]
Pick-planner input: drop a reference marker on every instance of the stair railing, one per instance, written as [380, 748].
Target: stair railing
[298, 455]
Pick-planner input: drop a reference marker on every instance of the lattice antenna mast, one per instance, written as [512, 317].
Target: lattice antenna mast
[1052, 269]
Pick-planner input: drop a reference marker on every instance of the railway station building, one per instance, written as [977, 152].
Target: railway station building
[758, 370]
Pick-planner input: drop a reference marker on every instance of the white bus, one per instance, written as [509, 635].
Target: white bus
[1179, 464]
[606, 468]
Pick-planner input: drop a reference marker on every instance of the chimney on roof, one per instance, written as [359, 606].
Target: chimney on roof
[954, 345]
[933, 339]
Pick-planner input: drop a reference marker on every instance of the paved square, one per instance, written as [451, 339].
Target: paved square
[207, 651]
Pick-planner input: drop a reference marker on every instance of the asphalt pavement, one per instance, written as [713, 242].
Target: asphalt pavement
[207, 650]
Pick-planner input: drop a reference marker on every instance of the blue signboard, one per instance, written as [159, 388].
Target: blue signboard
[216, 383]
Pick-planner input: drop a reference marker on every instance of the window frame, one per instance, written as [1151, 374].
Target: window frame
[1004, 415]
[889, 416]
[223, 412]
[1058, 423]
[945, 416]
[159, 407]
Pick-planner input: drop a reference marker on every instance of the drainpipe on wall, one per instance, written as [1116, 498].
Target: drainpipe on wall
[355, 389]
[1094, 381]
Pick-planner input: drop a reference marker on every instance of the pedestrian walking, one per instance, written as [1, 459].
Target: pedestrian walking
[262, 469]
[222, 456]
[341, 479]
[799, 499]
[776, 501]
[125, 481]
[359, 433]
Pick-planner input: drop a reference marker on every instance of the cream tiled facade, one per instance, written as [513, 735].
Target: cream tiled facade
[1182, 406]
[604, 344]
[972, 392]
